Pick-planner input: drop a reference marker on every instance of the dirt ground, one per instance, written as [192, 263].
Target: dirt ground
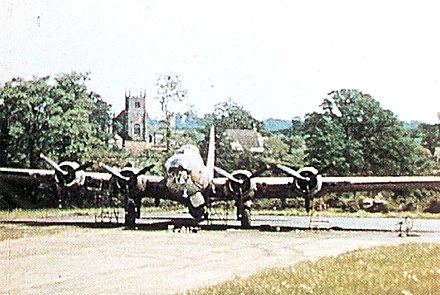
[118, 261]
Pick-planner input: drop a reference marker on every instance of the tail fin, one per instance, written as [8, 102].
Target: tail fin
[211, 155]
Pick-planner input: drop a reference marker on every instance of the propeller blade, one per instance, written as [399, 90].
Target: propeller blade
[292, 172]
[145, 169]
[115, 172]
[53, 164]
[84, 166]
[228, 175]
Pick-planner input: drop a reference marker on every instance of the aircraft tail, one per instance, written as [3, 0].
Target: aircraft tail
[211, 155]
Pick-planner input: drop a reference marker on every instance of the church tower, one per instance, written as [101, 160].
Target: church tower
[136, 117]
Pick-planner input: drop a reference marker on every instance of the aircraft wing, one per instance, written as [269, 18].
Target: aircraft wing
[42, 175]
[12, 177]
[377, 183]
[273, 187]
[264, 187]
[28, 176]
[153, 186]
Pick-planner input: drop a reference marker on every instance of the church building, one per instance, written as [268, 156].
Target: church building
[132, 123]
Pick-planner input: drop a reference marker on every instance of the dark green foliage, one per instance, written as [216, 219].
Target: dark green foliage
[433, 206]
[285, 146]
[230, 115]
[56, 116]
[361, 138]
[284, 150]
[428, 135]
[100, 117]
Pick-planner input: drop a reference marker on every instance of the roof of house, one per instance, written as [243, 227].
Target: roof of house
[121, 116]
[247, 138]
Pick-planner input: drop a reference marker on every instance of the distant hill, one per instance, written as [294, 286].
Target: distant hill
[272, 124]
[189, 123]
[411, 125]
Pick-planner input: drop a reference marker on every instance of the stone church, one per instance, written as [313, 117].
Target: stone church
[132, 123]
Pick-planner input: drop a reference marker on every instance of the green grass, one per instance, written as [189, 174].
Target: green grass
[53, 212]
[44, 213]
[15, 231]
[405, 269]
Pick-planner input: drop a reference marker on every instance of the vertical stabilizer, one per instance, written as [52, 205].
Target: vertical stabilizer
[211, 155]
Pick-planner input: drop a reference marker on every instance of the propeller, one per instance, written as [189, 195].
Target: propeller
[53, 164]
[84, 166]
[228, 175]
[239, 186]
[292, 172]
[308, 181]
[145, 169]
[115, 172]
[126, 181]
[126, 177]
[67, 172]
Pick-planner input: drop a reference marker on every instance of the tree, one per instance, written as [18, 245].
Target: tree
[288, 151]
[360, 137]
[100, 117]
[56, 116]
[169, 92]
[230, 115]
[294, 138]
[428, 135]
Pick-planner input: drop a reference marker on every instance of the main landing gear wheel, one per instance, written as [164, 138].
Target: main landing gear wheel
[198, 213]
[246, 218]
[130, 215]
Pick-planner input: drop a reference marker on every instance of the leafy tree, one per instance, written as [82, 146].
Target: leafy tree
[285, 150]
[52, 116]
[297, 128]
[170, 91]
[428, 135]
[230, 115]
[360, 137]
[100, 117]
[294, 139]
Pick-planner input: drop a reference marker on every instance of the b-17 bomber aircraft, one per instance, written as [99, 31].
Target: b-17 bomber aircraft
[190, 181]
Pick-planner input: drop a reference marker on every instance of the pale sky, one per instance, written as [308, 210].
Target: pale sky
[276, 58]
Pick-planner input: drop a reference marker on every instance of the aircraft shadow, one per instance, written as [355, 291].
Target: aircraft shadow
[176, 225]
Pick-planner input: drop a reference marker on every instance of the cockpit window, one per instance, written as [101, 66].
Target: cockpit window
[187, 149]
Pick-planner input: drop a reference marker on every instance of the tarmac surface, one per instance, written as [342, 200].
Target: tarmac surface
[112, 260]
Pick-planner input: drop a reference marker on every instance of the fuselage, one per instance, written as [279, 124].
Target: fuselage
[186, 174]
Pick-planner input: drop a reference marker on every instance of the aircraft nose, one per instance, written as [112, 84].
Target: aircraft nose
[177, 164]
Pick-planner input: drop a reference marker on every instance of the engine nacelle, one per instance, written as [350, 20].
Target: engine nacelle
[130, 173]
[244, 175]
[313, 184]
[73, 176]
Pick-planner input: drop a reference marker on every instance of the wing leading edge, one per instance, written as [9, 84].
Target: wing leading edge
[378, 183]
[273, 187]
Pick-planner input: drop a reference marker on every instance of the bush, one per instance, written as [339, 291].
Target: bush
[433, 206]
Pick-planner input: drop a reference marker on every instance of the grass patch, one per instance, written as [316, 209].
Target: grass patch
[45, 213]
[405, 269]
[15, 231]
